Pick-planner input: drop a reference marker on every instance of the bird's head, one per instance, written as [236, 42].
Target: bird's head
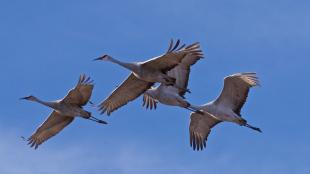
[104, 58]
[31, 98]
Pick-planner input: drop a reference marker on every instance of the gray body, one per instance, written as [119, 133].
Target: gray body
[64, 111]
[67, 109]
[167, 95]
[173, 95]
[221, 113]
[225, 108]
[145, 74]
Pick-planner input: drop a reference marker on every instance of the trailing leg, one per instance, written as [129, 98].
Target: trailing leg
[243, 122]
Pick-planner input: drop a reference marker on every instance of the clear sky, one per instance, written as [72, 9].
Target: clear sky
[46, 45]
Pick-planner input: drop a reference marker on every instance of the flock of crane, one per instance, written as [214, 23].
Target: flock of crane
[172, 71]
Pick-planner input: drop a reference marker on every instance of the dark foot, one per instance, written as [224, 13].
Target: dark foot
[242, 121]
[189, 91]
[254, 128]
[102, 122]
[257, 129]
[97, 120]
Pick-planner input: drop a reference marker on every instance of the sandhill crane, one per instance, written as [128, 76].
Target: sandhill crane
[64, 111]
[226, 107]
[172, 95]
[145, 74]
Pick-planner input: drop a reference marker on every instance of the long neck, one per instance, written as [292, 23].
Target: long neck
[205, 108]
[48, 104]
[131, 66]
[196, 107]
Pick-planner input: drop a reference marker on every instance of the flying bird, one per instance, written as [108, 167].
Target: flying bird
[144, 74]
[172, 94]
[226, 107]
[64, 111]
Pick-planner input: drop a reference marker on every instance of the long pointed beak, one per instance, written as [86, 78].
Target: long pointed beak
[23, 98]
[99, 58]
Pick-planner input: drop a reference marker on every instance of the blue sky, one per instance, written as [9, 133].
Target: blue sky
[46, 45]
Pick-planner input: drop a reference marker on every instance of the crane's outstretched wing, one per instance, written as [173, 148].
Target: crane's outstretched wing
[50, 127]
[236, 89]
[173, 56]
[129, 90]
[149, 102]
[182, 70]
[81, 94]
[181, 74]
[199, 129]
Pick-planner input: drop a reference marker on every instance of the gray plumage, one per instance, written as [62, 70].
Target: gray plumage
[144, 74]
[226, 107]
[173, 94]
[65, 110]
